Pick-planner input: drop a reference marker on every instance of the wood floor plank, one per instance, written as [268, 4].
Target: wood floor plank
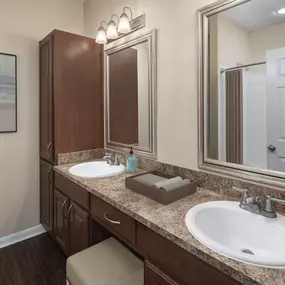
[36, 261]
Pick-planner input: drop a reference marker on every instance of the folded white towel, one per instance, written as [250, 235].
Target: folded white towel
[175, 185]
[167, 182]
[149, 179]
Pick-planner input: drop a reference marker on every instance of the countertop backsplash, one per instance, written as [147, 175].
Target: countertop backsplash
[205, 180]
[80, 156]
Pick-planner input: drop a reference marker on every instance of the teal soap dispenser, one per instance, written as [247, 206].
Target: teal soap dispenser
[131, 162]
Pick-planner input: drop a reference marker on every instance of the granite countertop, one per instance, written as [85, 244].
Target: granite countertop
[169, 222]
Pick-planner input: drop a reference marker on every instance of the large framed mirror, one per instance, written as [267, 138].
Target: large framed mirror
[242, 90]
[130, 94]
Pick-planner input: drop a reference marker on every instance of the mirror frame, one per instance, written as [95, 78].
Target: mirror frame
[116, 46]
[15, 130]
[250, 174]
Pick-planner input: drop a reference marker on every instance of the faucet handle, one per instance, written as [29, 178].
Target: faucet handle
[245, 194]
[268, 203]
[117, 160]
[268, 211]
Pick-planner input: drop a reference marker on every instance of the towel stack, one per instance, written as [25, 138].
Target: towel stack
[161, 182]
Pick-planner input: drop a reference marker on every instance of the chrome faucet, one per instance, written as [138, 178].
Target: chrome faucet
[252, 204]
[248, 203]
[112, 159]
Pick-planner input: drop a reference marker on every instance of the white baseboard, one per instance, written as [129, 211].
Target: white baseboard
[20, 236]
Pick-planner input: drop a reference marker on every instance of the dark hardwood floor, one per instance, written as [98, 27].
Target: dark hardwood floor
[36, 261]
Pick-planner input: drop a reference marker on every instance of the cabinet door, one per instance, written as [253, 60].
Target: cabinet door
[153, 276]
[46, 99]
[61, 204]
[78, 228]
[46, 195]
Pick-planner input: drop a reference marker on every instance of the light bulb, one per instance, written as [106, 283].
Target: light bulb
[281, 11]
[112, 30]
[124, 24]
[101, 36]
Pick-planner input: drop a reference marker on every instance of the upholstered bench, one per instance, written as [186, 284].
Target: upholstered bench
[106, 263]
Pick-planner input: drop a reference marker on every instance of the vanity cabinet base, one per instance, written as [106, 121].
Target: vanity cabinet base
[71, 216]
[176, 262]
[153, 276]
[81, 219]
[46, 195]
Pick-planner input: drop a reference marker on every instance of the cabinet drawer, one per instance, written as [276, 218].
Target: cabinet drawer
[177, 262]
[113, 219]
[153, 276]
[73, 191]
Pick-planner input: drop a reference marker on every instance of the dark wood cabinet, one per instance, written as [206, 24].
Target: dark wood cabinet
[71, 95]
[153, 276]
[78, 228]
[176, 262]
[61, 234]
[46, 195]
[71, 119]
[46, 99]
[82, 219]
[114, 220]
[71, 221]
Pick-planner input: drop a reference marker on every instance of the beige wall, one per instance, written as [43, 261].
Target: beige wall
[176, 22]
[266, 39]
[234, 44]
[22, 25]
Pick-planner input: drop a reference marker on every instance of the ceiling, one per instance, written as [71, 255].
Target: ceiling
[256, 14]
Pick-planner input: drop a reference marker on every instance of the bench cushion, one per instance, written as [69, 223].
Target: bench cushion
[106, 263]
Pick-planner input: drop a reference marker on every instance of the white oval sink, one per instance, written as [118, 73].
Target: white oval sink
[225, 228]
[96, 169]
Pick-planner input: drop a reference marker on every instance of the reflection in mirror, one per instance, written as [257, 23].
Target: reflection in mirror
[245, 120]
[8, 93]
[128, 96]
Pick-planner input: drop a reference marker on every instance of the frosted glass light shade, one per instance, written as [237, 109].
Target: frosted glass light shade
[124, 24]
[101, 36]
[281, 11]
[112, 30]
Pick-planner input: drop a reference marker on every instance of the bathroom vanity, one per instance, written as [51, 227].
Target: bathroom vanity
[87, 211]
[128, 216]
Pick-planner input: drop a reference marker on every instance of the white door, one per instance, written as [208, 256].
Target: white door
[275, 102]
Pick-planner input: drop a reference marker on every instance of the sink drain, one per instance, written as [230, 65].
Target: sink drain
[247, 251]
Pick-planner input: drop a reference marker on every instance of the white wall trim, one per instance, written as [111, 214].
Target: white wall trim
[20, 236]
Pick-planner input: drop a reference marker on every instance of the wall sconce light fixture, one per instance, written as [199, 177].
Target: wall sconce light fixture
[101, 34]
[125, 26]
[112, 32]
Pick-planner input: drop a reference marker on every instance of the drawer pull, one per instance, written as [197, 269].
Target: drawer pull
[69, 209]
[49, 175]
[111, 221]
[48, 146]
[62, 206]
